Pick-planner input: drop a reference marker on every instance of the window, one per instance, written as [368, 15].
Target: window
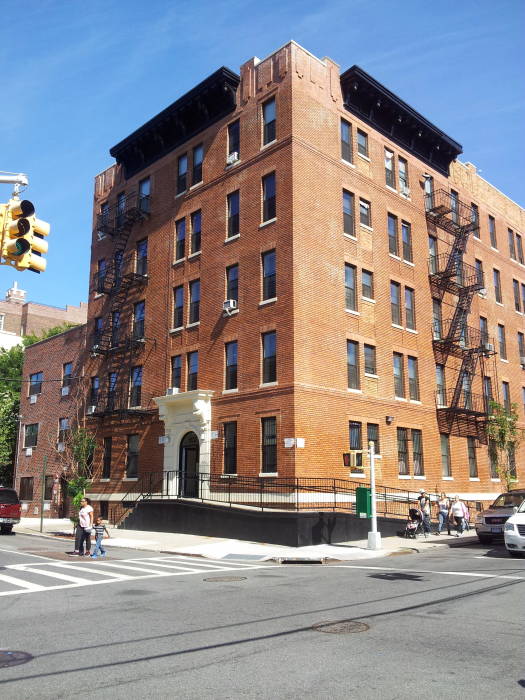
[395, 303]
[493, 459]
[350, 287]
[234, 143]
[372, 435]
[413, 379]
[198, 156]
[180, 239]
[269, 346]
[101, 275]
[67, 371]
[523, 297]
[269, 122]
[112, 389]
[132, 461]
[176, 371]
[230, 447]
[474, 217]
[31, 435]
[446, 469]
[135, 395]
[370, 359]
[352, 364]
[182, 174]
[231, 365]
[484, 329]
[523, 397]
[269, 202]
[417, 453]
[390, 176]
[367, 284]
[521, 347]
[104, 509]
[362, 143]
[2, 320]
[399, 376]
[94, 390]
[104, 217]
[505, 392]
[142, 257]
[48, 487]
[269, 288]
[492, 232]
[356, 443]
[433, 255]
[348, 213]
[106, 460]
[497, 285]
[502, 342]
[195, 300]
[365, 215]
[139, 310]
[269, 445]
[472, 460]
[121, 209]
[410, 309]
[346, 141]
[429, 192]
[402, 451]
[178, 304]
[479, 271]
[193, 370]
[516, 291]
[512, 247]
[63, 429]
[232, 282]
[437, 320]
[402, 168]
[35, 383]
[519, 248]
[144, 195]
[195, 219]
[393, 244]
[487, 391]
[233, 204]
[115, 328]
[441, 395]
[454, 206]
[117, 263]
[26, 488]
[406, 235]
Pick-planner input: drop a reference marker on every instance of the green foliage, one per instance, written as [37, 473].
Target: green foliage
[505, 437]
[77, 488]
[32, 338]
[81, 445]
[9, 408]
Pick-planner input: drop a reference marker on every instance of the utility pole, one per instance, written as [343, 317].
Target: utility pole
[374, 537]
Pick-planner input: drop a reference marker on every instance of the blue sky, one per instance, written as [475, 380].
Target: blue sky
[78, 76]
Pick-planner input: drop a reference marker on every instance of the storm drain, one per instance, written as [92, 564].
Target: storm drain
[225, 579]
[13, 658]
[341, 627]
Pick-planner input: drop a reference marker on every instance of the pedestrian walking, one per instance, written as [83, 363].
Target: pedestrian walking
[457, 512]
[85, 524]
[99, 530]
[443, 511]
[424, 507]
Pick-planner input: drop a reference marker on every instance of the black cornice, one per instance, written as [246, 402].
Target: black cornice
[387, 113]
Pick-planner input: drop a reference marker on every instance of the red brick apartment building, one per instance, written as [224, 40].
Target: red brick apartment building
[287, 264]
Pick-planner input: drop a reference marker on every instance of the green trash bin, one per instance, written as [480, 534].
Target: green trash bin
[363, 502]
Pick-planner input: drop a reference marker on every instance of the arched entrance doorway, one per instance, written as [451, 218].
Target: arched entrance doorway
[189, 466]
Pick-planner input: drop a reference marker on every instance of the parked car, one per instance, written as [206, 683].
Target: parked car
[514, 532]
[490, 522]
[9, 510]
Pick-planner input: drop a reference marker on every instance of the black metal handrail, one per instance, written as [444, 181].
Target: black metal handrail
[465, 337]
[454, 274]
[119, 216]
[450, 213]
[466, 402]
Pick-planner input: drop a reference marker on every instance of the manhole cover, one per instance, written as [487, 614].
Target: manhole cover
[225, 579]
[13, 658]
[341, 627]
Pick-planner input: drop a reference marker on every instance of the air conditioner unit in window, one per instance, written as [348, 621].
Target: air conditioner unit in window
[100, 235]
[488, 347]
[172, 390]
[65, 391]
[32, 398]
[482, 292]
[232, 158]
[522, 362]
[405, 190]
[61, 447]
[29, 451]
[229, 305]
[356, 458]
[91, 410]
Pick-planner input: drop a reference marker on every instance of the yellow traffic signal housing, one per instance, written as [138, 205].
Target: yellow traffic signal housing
[23, 236]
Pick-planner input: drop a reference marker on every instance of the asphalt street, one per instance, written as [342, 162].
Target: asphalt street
[145, 624]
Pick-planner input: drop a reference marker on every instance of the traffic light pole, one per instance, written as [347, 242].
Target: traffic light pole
[374, 537]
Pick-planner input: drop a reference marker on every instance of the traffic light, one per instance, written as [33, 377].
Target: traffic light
[23, 236]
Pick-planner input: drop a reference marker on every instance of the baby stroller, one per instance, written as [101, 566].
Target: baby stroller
[414, 523]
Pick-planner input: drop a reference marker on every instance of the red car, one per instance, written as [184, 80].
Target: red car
[9, 510]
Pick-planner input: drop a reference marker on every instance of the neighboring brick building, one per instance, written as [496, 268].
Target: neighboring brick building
[317, 203]
[19, 317]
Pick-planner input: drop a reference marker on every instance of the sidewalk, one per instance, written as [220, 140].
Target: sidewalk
[219, 548]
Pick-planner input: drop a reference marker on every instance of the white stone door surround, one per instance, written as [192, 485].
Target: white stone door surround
[187, 411]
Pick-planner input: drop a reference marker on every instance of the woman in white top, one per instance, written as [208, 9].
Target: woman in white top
[85, 524]
[443, 511]
[457, 511]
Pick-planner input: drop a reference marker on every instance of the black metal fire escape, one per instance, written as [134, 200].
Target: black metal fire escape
[459, 409]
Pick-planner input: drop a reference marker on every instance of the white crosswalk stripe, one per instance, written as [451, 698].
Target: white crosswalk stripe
[107, 571]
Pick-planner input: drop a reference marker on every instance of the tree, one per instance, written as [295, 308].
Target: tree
[504, 440]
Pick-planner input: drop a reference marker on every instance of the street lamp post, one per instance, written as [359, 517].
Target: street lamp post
[374, 537]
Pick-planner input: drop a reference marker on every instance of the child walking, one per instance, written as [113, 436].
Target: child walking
[99, 529]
